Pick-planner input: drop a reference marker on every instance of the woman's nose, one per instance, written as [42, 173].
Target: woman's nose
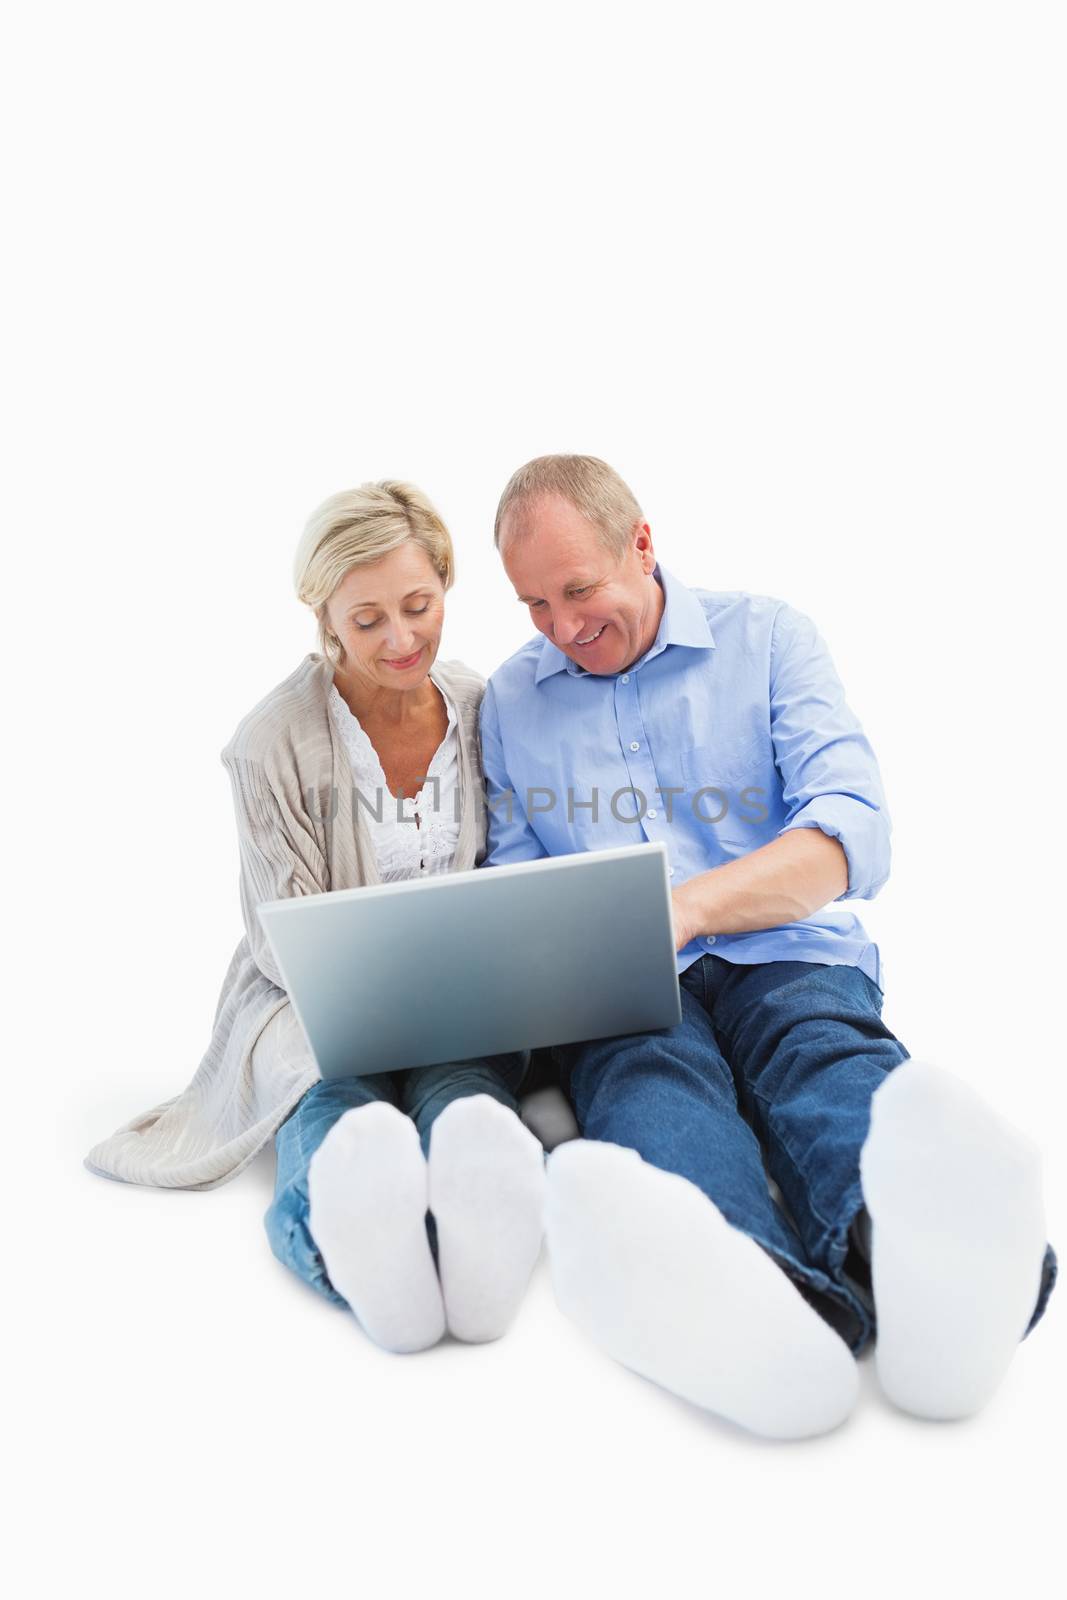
[399, 636]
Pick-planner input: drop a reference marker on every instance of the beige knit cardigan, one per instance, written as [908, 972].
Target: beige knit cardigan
[300, 831]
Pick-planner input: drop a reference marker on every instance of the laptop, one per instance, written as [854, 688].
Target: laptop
[477, 963]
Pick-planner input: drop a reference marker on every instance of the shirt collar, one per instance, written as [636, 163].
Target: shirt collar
[683, 622]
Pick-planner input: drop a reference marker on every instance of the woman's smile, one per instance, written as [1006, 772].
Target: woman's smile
[402, 664]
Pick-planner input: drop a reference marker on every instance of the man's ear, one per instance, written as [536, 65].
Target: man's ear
[643, 546]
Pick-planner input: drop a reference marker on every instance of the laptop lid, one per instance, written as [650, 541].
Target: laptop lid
[475, 963]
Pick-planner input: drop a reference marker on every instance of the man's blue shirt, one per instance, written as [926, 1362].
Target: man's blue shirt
[730, 730]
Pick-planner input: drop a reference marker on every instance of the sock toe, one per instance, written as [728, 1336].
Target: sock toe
[486, 1190]
[957, 1240]
[648, 1266]
[367, 1213]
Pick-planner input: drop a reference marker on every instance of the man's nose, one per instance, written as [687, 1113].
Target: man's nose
[566, 626]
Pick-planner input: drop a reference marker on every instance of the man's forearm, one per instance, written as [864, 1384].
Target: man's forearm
[783, 881]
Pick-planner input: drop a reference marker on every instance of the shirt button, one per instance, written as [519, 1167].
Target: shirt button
[634, 745]
[625, 678]
[653, 813]
[710, 939]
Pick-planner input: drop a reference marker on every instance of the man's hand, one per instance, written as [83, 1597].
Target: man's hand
[781, 882]
[685, 915]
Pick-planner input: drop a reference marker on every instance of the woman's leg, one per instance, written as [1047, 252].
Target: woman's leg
[295, 1142]
[426, 1091]
[349, 1214]
[486, 1188]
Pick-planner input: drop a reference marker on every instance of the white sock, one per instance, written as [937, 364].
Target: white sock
[487, 1183]
[367, 1187]
[649, 1267]
[957, 1240]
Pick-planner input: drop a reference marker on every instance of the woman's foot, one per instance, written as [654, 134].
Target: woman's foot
[649, 1267]
[957, 1242]
[487, 1196]
[367, 1186]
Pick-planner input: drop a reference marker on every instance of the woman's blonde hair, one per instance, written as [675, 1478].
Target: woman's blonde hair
[356, 527]
[592, 487]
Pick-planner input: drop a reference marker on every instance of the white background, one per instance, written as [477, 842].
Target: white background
[797, 271]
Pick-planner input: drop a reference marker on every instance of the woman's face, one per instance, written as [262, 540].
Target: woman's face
[388, 616]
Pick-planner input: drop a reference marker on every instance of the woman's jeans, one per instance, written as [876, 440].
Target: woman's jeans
[421, 1092]
[771, 1070]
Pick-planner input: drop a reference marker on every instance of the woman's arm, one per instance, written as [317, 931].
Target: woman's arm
[280, 856]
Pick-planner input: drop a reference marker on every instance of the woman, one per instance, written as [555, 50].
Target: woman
[331, 773]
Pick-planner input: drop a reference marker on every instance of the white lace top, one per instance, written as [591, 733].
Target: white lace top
[424, 842]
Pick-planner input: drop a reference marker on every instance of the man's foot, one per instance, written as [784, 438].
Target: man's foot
[368, 1201]
[649, 1267]
[486, 1191]
[958, 1238]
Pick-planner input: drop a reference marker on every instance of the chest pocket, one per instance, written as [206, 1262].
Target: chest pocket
[709, 767]
[737, 823]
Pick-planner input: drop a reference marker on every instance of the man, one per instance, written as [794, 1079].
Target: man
[716, 723]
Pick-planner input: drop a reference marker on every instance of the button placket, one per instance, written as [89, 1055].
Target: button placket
[633, 742]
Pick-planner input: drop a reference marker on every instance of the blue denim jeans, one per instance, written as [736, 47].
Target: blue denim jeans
[771, 1070]
[421, 1092]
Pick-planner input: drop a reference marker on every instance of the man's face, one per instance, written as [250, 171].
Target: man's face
[601, 612]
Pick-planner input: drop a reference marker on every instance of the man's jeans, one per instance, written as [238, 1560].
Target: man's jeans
[771, 1070]
[422, 1093]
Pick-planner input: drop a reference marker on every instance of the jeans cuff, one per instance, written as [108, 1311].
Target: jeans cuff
[1049, 1273]
[294, 1247]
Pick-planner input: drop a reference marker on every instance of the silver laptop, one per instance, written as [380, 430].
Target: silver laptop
[475, 963]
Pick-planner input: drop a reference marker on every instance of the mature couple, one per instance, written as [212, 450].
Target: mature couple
[714, 722]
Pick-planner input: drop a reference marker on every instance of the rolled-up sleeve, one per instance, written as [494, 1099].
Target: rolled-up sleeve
[279, 858]
[510, 836]
[829, 772]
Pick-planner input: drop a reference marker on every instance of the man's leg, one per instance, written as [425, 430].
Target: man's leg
[808, 1049]
[665, 1245]
[670, 1096]
[954, 1185]
[959, 1240]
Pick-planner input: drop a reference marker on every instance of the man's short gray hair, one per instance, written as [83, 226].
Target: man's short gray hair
[593, 488]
